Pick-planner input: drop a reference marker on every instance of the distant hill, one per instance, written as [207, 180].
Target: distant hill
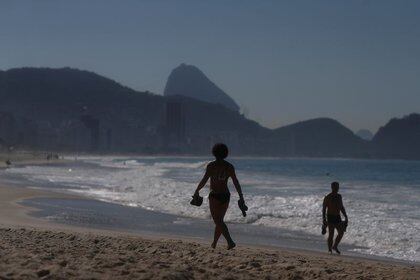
[188, 80]
[55, 108]
[321, 137]
[53, 94]
[365, 134]
[399, 138]
[72, 110]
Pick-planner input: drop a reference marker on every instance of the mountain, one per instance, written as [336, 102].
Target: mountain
[399, 138]
[70, 109]
[365, 134]
[188, 80]
[53, 94]
[73, 110]
[321, 137]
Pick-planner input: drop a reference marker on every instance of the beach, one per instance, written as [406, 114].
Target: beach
[33, 248]
[224, 140]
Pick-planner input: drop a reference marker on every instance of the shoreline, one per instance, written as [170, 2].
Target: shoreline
[91, 214]
[23, 158]
[22, 197]
[18, 223]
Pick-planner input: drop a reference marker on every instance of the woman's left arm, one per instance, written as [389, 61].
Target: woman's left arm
[236, 183]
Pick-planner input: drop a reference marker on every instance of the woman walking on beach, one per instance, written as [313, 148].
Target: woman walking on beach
[219, 171]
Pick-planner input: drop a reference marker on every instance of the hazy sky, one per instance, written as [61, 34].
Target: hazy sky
[284, 61]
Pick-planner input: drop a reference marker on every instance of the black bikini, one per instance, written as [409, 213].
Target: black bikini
[221, 197]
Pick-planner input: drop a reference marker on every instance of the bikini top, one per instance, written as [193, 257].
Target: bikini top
[222, 175]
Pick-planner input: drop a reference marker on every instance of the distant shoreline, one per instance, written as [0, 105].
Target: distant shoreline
[35, 157]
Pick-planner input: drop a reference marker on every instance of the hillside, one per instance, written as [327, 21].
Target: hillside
[65, 108]
[73, 110]
[365, 134]
[188, 80]
[399, 138]
[321, 137]
[53, 94]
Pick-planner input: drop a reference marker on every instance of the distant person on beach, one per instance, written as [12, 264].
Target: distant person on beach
[219, 171]
[331, 208]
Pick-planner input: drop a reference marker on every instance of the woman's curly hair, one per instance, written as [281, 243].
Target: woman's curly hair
[220, 151]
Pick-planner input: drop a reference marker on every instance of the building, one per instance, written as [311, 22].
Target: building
[174, 123]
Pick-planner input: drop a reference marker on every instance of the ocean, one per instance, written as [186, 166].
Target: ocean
[382, 197]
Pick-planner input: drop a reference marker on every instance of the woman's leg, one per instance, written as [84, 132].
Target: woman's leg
[217, 232]
[215, 213]
[218, 211]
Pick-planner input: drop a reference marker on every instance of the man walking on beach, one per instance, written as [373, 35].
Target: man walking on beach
[331, 208]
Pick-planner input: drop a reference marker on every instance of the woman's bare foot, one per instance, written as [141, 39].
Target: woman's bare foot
[336, 250]
[213, 245]
[231, 246]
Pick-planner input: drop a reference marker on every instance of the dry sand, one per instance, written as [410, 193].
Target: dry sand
[32, 248]
[29, 254]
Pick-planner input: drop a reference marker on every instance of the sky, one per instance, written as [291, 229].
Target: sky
[281, 61]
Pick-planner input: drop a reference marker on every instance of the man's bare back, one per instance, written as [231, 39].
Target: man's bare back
[334, 203]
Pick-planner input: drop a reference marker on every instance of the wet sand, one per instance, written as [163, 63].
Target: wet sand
[33, 248]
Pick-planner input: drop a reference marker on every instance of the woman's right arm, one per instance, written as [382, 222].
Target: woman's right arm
[203, 181]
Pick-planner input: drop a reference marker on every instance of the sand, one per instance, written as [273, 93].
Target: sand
[32, 248]
[29, 254]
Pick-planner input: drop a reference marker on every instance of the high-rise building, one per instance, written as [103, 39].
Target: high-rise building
[7, 128]
[175, 122]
